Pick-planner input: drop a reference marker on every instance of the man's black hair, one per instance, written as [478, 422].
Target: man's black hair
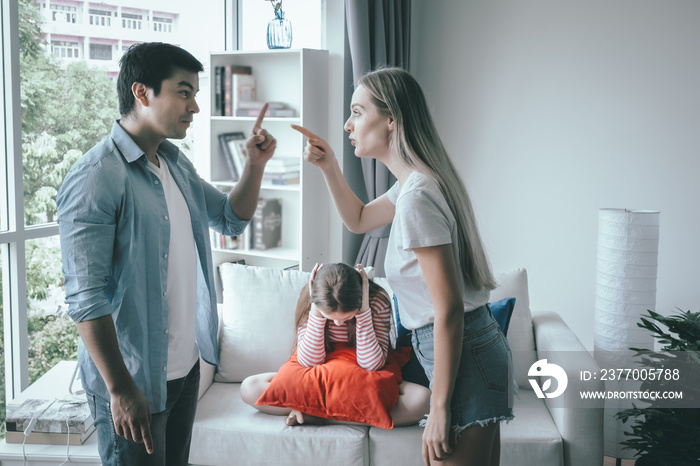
[150, 63]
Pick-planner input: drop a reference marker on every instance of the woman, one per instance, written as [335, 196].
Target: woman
[341, 306]
[435, 263]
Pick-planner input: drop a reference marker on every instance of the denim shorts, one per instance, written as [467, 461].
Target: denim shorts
[484, 387]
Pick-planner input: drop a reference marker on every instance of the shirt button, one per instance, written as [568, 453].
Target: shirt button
[165, 256]
[166, 331]
[166, 217]
[165, 369]
[164, 293]
[155, 182]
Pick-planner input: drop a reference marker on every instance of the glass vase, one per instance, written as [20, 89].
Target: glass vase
[279, 32]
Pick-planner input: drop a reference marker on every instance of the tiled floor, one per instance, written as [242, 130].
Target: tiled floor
[611, 462]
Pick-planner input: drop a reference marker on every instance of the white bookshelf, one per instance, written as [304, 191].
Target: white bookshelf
[300, 79]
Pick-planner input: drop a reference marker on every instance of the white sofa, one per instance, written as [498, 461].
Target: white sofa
[256, 334]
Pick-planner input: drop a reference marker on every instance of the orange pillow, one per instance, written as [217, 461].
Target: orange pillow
[339, 388]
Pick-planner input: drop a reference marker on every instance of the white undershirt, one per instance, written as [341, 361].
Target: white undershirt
[181, 290]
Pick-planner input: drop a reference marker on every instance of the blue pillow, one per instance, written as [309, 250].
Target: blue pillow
[502, 310]
[401, 331]
[413, 371]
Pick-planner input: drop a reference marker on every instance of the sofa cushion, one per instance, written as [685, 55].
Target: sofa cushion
[521, 337]
[227, 431]
[339, 388]
[531, 439]
[257, 319]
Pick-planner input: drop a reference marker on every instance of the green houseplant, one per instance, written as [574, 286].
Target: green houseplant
[663, 435]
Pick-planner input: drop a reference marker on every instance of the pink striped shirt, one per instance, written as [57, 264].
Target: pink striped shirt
[371, 336]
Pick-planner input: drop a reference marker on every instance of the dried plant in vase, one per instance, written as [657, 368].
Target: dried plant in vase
[279, 29]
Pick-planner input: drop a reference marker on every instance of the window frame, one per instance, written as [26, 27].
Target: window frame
[13, 239]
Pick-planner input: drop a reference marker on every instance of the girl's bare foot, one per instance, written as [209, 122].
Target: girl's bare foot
[295, 418]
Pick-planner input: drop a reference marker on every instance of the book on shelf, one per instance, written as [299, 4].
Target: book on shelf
[52, 416]
[234, 151]
[282, 164]
[243, 89]
[219, 241]
[286, 178]
[49, 438]
[218, 91]
[282, 170]
[271, 112]
[266, 225]
[258, 105]
[224, 98]
[281, 175]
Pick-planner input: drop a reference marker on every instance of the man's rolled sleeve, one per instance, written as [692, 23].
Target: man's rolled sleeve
[221, 215]
[87, 226]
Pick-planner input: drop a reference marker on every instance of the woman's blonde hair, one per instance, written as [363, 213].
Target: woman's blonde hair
[336, 287]
[397, 94]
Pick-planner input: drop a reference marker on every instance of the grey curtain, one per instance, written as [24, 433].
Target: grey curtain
[379, 35]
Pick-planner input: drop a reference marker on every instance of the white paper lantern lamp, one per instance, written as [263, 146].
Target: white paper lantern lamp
[627, 262]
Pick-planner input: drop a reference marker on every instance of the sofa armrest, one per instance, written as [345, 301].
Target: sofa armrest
[206, 377]
[206, 370]
[581, 427]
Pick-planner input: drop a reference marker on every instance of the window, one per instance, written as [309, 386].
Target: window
[65, 49]
[131, 21]
[100, 17]
[63, 13]
[162, 24]
[2, 346]
[67, 106]
[100, 52]
[41, 97]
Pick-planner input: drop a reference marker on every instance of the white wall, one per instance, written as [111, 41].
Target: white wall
[552, 109]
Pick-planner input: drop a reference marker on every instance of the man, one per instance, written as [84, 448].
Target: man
[133, 219]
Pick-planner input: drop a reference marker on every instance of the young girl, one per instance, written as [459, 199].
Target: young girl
[340, 305]
[435, 263]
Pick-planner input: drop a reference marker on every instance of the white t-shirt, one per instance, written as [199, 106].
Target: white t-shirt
[422, 219]
[181, 293]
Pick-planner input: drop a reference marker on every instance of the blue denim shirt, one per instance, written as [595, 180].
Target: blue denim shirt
[115, 234]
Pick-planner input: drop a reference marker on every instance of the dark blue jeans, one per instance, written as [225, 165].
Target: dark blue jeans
[171, 429]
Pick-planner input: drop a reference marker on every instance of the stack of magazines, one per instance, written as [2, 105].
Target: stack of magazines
[58, 422]
[282, 170]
